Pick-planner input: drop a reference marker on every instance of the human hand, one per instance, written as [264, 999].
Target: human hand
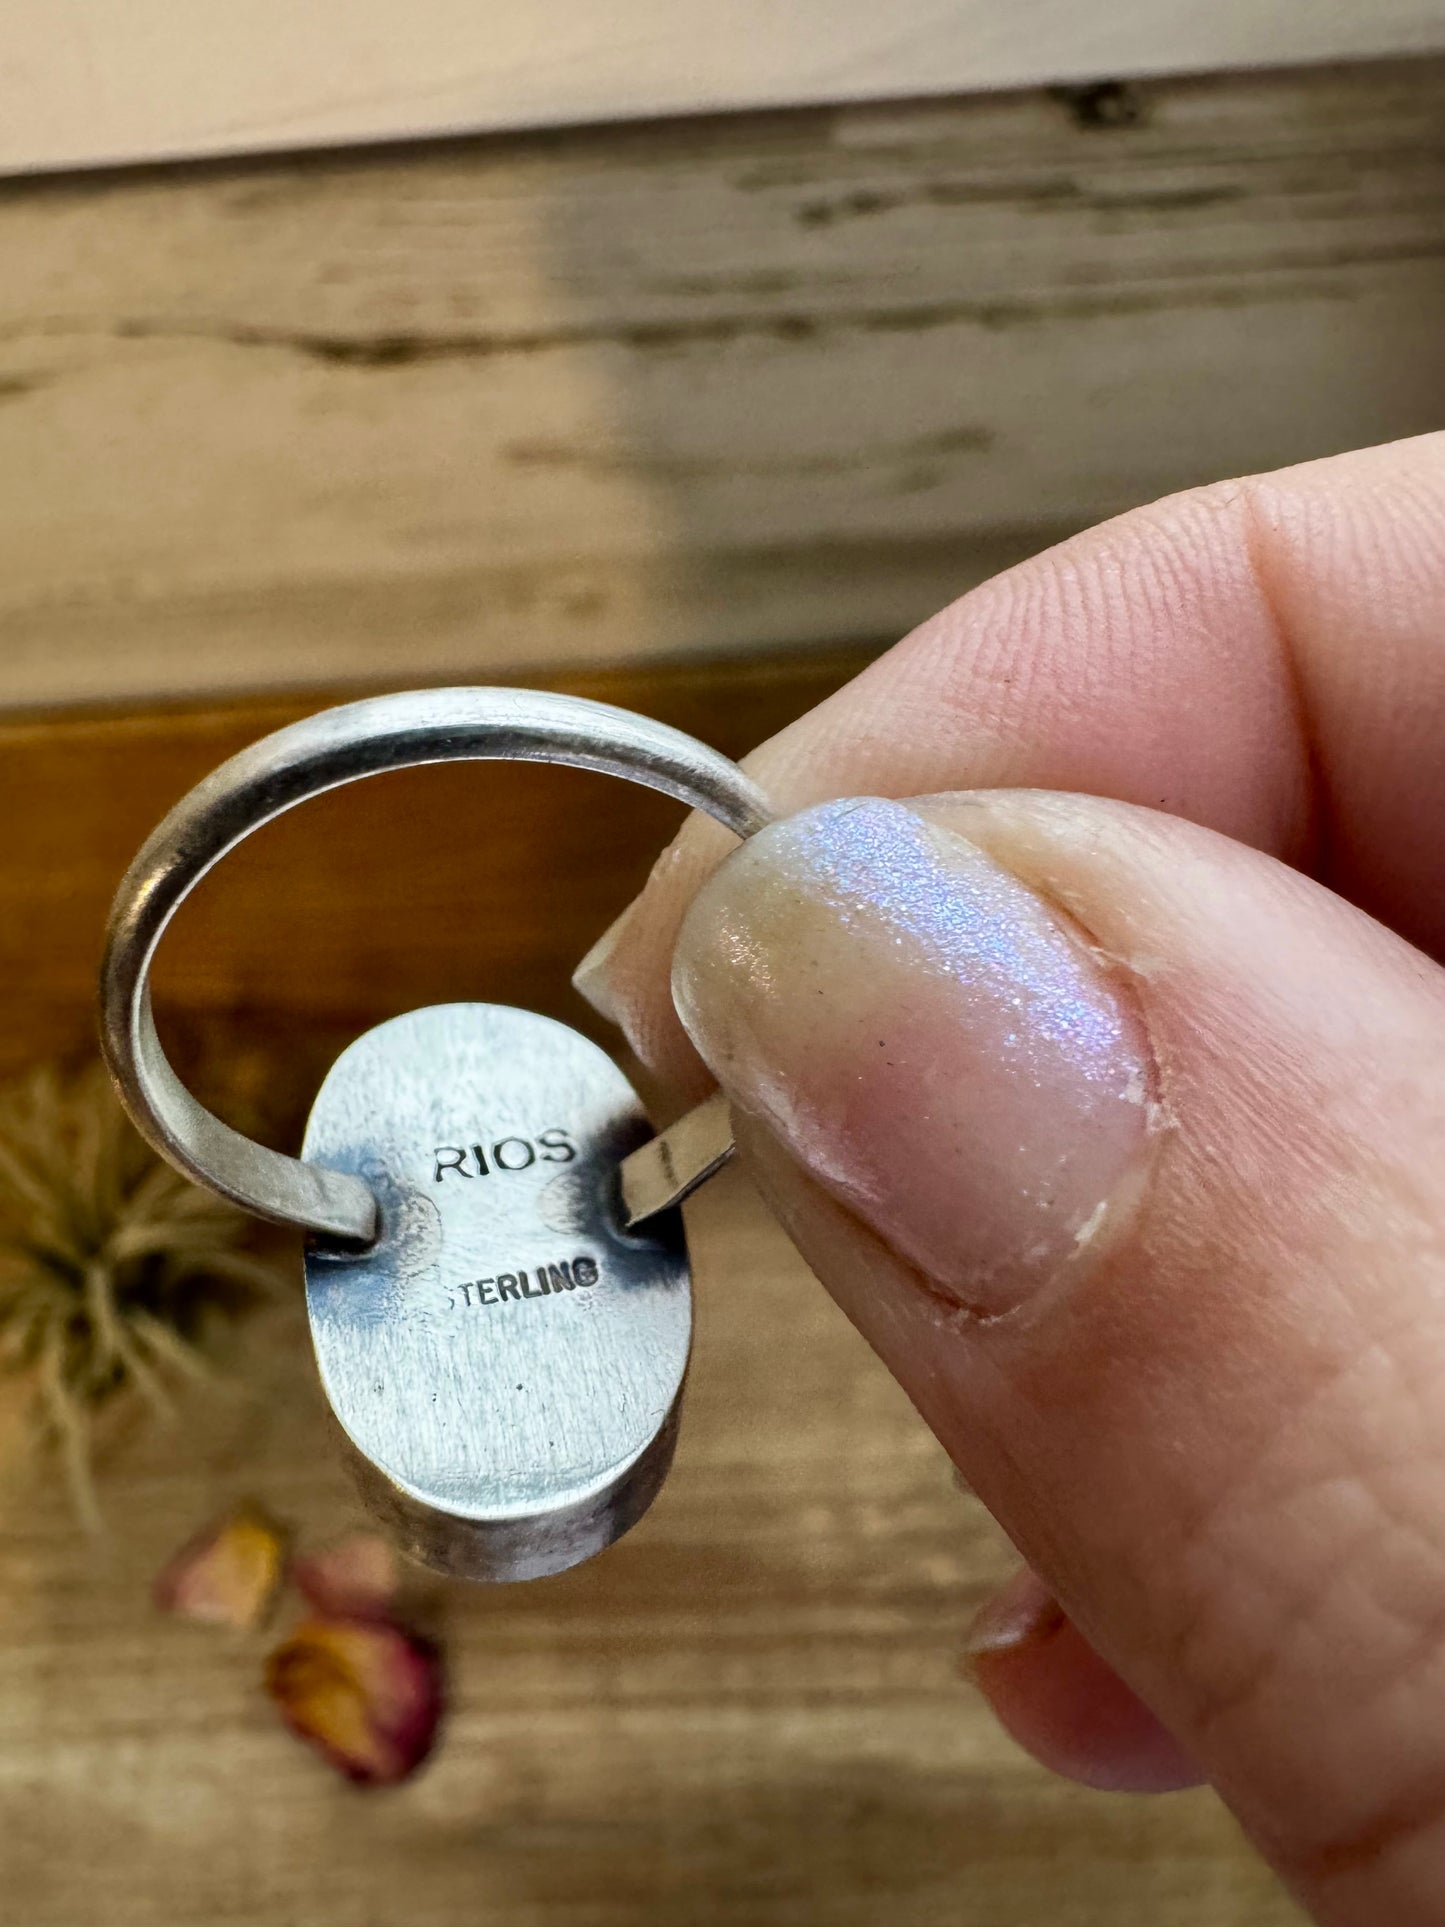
[1116, 1122]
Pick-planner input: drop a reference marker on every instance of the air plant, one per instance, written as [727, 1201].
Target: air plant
[113, 1269]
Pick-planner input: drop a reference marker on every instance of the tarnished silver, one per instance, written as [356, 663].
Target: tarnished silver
[319, 753]
[506, 1360]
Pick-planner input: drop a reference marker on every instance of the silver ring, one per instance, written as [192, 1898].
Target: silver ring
[321, 753]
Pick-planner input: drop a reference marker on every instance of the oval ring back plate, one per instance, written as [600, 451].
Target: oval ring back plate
[506, 1361]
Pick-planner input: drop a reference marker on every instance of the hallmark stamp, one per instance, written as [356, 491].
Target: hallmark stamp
[552, 1146]
[542, 1281]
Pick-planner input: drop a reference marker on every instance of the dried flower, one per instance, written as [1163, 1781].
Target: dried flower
[366, 1694]
[350, 1681]
[357, 1578]
[110, 1263]
[230, 1574]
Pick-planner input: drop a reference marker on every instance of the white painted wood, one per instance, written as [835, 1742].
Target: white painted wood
[92, 82]
[626, 394]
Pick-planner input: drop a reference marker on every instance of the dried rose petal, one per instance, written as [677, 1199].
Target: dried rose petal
[229, 1574]
[367, 1695]
[357, 1578]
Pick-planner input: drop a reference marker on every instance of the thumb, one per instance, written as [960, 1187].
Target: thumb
[1122, 1145]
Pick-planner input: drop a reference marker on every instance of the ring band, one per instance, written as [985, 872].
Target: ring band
[319, 753]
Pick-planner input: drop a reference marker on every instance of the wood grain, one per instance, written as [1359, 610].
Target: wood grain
[747, 1714]
[91, 83]
[623, 395]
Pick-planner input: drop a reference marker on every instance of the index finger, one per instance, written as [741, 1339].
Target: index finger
[1265, 657]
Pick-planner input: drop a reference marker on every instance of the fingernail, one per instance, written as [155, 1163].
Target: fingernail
[590, 978]
[1021, 1612]
[928, 1037]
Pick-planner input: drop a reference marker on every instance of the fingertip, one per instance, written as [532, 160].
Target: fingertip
[624, 976]
[592, 979]
[1063, 1704]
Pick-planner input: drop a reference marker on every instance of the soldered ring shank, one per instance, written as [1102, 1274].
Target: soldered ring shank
[320, 753]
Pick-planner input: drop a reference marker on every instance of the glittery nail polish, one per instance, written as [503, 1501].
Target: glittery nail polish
[936, 1044]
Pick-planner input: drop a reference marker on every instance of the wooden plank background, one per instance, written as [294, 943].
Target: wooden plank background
[601, 398]
[88, 82]
[613, 396]
[749, 1713]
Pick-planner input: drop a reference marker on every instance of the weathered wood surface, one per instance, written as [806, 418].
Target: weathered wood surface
[611, 396]
[93, 83]
[747, 1714]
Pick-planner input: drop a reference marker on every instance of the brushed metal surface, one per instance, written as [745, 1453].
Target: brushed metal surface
[506, 1360]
